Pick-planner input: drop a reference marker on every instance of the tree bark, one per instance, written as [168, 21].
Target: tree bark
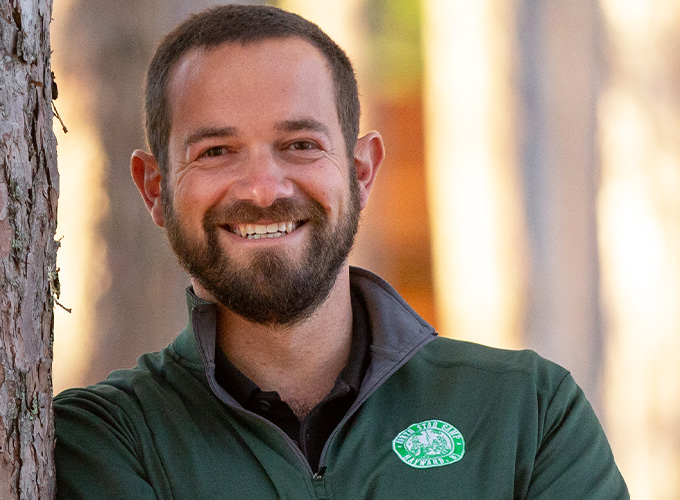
[29, 286]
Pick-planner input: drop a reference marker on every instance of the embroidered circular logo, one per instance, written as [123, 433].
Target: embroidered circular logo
[432, 443]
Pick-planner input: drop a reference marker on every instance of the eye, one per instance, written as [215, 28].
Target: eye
[212, 152]
[302, 146]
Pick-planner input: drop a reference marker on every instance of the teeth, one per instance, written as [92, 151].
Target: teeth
[257, 231]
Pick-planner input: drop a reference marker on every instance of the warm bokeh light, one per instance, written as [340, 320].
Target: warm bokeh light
[82, 203]
[639, 235]
[338, 19]
[630, 21]
[470, 160]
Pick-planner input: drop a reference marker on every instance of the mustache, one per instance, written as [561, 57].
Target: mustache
[282, 209]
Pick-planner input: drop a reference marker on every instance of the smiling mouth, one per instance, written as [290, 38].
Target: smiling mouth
[259, 231]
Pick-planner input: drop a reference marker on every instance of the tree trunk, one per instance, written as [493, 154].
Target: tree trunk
[29, 286]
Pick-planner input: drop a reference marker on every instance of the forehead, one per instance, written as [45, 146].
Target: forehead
[258, 76]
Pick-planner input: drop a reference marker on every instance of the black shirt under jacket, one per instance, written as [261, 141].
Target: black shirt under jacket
[311, 434]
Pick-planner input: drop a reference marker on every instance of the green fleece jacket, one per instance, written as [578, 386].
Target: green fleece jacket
[435, 418]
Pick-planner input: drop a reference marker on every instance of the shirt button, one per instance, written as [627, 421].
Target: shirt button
[264, 405]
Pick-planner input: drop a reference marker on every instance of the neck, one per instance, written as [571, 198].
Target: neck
[302, 361]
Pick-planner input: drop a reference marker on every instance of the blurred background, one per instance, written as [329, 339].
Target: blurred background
[530, 197]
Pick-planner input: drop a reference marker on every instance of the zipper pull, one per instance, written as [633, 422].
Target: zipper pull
[318, 475]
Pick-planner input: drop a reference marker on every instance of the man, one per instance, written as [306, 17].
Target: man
[296, 376]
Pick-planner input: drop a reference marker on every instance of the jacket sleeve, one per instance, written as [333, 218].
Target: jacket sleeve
[96, 452]
[574, 459]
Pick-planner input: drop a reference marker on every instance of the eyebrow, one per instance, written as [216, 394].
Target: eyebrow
[303, 124]
[208, 133]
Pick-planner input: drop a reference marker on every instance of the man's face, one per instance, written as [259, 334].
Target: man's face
[261, 204]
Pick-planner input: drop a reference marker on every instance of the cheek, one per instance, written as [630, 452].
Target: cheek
[201, 189]
[192, 198]
[327, 190]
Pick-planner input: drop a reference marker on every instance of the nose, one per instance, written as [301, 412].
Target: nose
[263, 179]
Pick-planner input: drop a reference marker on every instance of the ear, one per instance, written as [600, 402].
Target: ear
[147, 177]
[368, 156]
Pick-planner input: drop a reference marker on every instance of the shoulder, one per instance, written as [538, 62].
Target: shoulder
[115, 424]
[106, 433]
[125, 393]
[450, 353]
[464, 367]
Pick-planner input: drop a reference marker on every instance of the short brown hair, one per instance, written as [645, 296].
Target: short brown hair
[242, 24]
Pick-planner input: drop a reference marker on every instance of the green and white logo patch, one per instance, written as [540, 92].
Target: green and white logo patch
[432, 443]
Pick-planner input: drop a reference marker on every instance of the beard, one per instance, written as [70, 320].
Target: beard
[272, 288]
